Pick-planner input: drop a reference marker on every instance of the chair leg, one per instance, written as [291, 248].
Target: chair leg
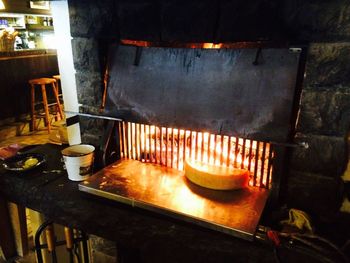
[32, 113]
[55, 91]
[46, 107]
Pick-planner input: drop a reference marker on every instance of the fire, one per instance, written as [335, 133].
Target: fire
[212, 45]
[171, 147]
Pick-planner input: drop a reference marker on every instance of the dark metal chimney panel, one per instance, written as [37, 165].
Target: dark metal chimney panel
[218, 91]
[189, 21]
[199, 21]
[139, 20]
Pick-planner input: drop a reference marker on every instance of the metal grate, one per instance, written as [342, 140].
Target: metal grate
[170, 147]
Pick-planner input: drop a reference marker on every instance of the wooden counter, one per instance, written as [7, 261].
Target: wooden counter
[16, 68]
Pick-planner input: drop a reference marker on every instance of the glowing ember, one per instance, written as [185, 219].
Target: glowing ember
[170, 147]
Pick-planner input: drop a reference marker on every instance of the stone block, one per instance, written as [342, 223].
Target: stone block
[313, 21]
[92, 18]
[325, 112]
[325, 155]
[92, 129]
[89, 88]
[327, 64]
[85, 54]
[314, 193]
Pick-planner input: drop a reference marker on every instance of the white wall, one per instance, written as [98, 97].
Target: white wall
[65, 63]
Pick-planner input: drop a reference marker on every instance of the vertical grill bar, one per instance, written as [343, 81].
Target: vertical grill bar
[121, 141]
[155, 145]
[139, 142]
[132, 140]
[191, 134]
[221, 150]
[124, 140]
[166, 146]
[172, 148]
[150, 143]
[161, 145]
[136, 142]
[262, 174]
[202, 147]
[184, 148]
[236, 152]
[243, 154]
[129, 143]
[228, 151]
[250, 155]
[178, 148]
[269, 170]
[144, 143]
[196, 147]
[209, 147]
[215, 139]
[256, 163]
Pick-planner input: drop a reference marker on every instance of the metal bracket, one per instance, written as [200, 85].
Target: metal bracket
[295, 50]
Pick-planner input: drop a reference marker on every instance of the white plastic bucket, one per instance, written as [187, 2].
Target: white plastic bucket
[79, 161]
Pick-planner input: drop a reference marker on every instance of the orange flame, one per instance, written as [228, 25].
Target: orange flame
[171, 147]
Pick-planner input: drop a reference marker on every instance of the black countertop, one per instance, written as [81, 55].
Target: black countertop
[157, 238]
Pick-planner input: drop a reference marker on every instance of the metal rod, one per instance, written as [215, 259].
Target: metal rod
[131, 134]
[161, 145]
[222, 150]
[228, 151]
[196, 147]
[184, 143]
[121, 142]
[93, 116]
[202, 147]
[166, 146]
[250, 154]
[191, 134]
[209, 149]
[178, 149]
[236, 152]
[145, 143]
[150, 143]
[269, 166]
[155, 145]
[262, 174]
[292, 145]
[137, 142]
[172, 148]
[256, 162]
[127, 139]
[243, 154]
[215, 139]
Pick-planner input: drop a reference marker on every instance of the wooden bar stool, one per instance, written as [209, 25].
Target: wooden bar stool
[58, 80]
[43, 82]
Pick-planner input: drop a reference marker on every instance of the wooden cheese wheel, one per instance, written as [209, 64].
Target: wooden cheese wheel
[216, 177]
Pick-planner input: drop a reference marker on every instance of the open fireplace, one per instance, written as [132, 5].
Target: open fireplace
[222, 106]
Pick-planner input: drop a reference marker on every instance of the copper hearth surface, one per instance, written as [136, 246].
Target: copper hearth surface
[167, 191]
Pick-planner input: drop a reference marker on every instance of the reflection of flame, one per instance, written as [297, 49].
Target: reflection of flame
[212, 45]
[170, 147]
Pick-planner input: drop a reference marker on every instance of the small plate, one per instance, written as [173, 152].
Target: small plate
[17, 163]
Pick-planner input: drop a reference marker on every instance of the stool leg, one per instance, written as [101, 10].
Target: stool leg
[32, 113]
[55, 91]
[46, 107]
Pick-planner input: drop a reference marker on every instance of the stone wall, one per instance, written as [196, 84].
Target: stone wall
[314, 176]
[314, 182]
